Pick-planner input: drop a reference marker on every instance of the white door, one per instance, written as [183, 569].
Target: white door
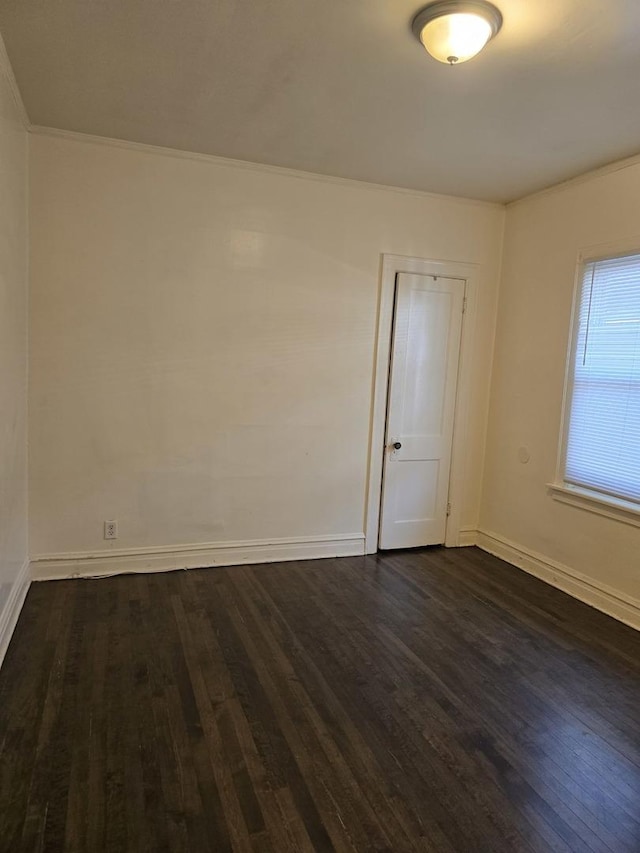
[422, 393]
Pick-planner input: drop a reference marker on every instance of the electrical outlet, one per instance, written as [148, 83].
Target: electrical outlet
[111, 530]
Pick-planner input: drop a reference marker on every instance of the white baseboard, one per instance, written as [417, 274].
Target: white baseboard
[467, 536]
[11, 610]
[195, 556]
[610, 601]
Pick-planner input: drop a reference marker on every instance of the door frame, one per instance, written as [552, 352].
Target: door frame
[391, 265]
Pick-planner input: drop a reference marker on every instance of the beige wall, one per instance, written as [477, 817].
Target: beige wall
[203, 344]
[13, 348]
[542, 239]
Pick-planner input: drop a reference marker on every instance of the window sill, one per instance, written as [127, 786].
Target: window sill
[616, 508]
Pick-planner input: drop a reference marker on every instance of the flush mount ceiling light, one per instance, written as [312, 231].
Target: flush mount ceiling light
[454, 31]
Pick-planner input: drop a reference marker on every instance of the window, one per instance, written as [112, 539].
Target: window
[601, 452]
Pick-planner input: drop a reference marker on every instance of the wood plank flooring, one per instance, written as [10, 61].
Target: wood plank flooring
[434, 700]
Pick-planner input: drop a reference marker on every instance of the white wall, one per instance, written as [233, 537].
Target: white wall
[543, 236]
[203, 344]
[13, 354]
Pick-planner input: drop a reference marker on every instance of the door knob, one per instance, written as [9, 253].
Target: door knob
[396, 445]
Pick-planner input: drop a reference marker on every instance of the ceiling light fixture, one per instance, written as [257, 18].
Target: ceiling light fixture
[454, 31]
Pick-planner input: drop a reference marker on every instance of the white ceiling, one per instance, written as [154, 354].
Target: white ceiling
[340, 87]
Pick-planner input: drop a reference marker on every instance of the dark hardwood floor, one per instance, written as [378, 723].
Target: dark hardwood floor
[430, 700]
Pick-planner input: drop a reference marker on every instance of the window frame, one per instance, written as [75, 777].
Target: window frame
[591, 500]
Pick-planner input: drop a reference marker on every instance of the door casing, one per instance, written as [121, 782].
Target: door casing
[391, 265]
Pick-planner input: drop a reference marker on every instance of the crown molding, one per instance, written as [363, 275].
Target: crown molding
[247, 165]
[7, 72]
[585, 177]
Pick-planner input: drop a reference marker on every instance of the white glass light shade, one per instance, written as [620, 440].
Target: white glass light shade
[455, 38]
[453, 31]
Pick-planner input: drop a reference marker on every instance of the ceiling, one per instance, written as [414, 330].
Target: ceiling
[340, 87]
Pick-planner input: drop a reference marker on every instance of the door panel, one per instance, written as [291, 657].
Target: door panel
[422, 391]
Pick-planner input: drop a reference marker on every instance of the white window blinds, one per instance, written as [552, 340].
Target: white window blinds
[603, 442]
